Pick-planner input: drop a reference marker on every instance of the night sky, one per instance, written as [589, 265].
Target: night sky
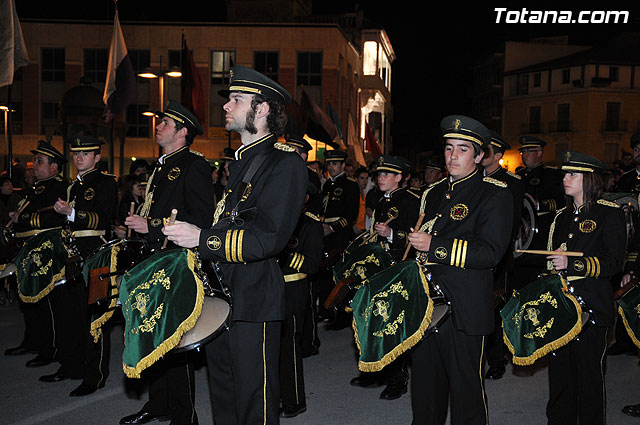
[435, 49]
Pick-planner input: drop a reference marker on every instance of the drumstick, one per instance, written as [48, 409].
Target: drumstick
[542, 252]
[50, 207]
[418, 224]
[368, 238]
[131, 210]
[18, 212]
[172, 219]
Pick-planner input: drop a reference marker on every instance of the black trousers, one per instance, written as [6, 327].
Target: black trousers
[576, 380]
[310, 341]
[172, 389]
[97, 356]
[243, 374]
[446, 368]
[69, 305]
[39, 327]
[291, 370]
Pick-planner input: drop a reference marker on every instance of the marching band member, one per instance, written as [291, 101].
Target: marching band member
[596, 228]
[88, 208]
[181, 180]
[252, 225]
[399, 207]
[300, 259]
[542, 186]
[630, 180]
[340, 206]
[466, 232]
[48, 187]
[503, 275]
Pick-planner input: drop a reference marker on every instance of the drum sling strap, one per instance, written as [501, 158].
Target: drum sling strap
[234, 218]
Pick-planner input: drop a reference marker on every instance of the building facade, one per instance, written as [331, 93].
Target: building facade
[313, 58]
[575, 97]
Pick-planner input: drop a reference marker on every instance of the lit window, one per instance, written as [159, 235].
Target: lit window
[369, 63]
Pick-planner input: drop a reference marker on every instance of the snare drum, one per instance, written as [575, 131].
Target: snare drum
[542, 317]
[391, 313]
[356, 265]
[104, 268]
[7, 270]
[163, 299]
[213, 320]
[629, 310]
[40, 265]
[102, 273]
[441, 305]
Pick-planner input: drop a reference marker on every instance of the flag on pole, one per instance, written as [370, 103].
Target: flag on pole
[371, 144]
[192, 92]
[319, 125]
[354, 142]
[336, 120]
[13, 52]
[120, 87]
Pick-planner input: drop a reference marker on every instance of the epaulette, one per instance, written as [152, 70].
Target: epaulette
[312, 216]
[514, 175]
[494, 181]
[352, 179]
[59, 178]
[110, 175]
[417, 195]
[608, 203]
[283, 147]
[628, 171]
[435, 183]
[423, 197]
[197, 153]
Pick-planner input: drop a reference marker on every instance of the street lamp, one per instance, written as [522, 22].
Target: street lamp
[173, 72]
[152, 114]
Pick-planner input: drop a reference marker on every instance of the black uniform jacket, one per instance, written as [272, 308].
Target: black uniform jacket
[470, 221]
[248, 243]
[183, 181]
[45, 193]
[341, 203]
[303, 252]
[599, 232]
[629, 182]
[404, 205]
[93, 196]
[545, 185]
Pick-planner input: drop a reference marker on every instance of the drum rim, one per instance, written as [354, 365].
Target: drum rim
[209, 338]
[113, 242]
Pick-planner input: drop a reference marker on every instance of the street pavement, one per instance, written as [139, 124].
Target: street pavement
[330, 399]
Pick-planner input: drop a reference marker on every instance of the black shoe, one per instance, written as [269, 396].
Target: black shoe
[39, 361]
[85, 389]
[366, 380]
[632, 410]
[312, 352]
[291, 411]
[142, 417]
[394, 390]
[495, 372]
[16, 351]
[54, 377]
